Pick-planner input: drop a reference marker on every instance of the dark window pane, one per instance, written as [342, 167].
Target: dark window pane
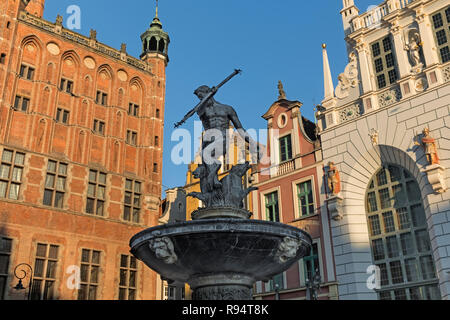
[53, 252]
[378, 249]
[376, 49]
[124, 261]
[378, 65]
[441, 37]
[85, 255]
[387, 44]
[388, 220]
[48, 194]
[96, 257]
[84, 273]
[396, 272]
[59, 200]
[39, 268]
[41, 250]
[445, 54]
[94, 274]
[375, 225]
[123, 277]
[381, 81]
[437, 21]
[90, 206]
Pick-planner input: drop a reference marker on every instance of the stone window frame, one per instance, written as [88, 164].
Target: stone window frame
[133, 109]
[88, 263]
[126, 269]
[46, 277]
[99, 127]
[66, 85]
[132, 137]
[134, 207]
[94, 197]
[22, 103]
[101, 98]
[442, 30]
[15, 168]
[2, 58]
[5, 252]
[62, 115]
[55, 188]
[380, 57]
[388, 247]
[27, 71]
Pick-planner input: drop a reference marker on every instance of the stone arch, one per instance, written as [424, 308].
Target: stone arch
[137, 96]
[162, 46]
[105, 78]
[357, 167]
[31, 50]
[153, 46]
[70, 66]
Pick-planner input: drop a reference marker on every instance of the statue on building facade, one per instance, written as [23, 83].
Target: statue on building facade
[413, 47]
[429, 145]
[333, 179]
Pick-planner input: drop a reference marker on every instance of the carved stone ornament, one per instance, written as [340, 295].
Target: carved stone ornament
[421, 84]
[164, 250]
[223, 293]
[287, 249]
[436, 177]
[335, 209]
[374, 136]
[348, 79]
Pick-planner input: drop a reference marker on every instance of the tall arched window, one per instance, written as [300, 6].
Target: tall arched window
[399, 236]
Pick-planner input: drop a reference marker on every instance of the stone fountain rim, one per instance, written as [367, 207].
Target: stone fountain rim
[218, 225]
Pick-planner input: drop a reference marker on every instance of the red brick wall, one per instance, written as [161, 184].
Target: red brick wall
[37, 134]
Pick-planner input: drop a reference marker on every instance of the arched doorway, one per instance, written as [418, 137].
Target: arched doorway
[399, 236]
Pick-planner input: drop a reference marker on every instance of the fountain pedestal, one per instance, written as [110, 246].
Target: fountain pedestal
[221, 257]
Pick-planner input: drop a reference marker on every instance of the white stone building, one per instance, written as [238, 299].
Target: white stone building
[390, 206]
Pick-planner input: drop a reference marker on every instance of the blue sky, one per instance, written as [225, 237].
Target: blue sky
[268, 40]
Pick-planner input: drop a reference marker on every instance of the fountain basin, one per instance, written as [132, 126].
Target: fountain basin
[229, 251]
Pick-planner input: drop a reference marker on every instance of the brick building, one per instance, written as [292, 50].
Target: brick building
[291, 191]
[81, 138]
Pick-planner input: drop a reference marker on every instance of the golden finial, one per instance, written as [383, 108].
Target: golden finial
[156, 16]
[324, 45]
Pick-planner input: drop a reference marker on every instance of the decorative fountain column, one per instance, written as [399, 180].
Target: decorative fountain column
[221, 253]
